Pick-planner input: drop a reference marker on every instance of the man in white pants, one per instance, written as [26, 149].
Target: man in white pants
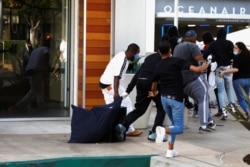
[111, 81]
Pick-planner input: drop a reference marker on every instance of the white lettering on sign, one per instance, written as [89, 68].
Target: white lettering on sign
[242, 11]
[224, 11]
[191, 9]
[202, 10]
[168, 9]
[180, 8]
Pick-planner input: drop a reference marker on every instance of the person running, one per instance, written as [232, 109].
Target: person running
[195, 84]
[174, 39]
[143, 80]
[169, 73]
[222, 50]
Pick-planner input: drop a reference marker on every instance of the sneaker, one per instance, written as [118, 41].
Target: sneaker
[218, 114]
[136, 132]
[171, 153]
[201, 129]
[160, 134]
[152, 136]
[120, 132]
[231, 106]
[211, 125]
[224, 114]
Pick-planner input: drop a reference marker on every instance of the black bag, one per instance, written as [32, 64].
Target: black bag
[97, 124]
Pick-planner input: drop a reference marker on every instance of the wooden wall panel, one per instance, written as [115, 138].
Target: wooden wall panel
[95, 72]
[80, 53]
[97, 48]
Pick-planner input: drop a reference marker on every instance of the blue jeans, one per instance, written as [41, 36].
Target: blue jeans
[175, 112]
[224, 84]
[245, 84]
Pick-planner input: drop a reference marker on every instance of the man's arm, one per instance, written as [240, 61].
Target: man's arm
[199, 58]
[116, 87]
[154, 91]
[132, 83]
[200, 69]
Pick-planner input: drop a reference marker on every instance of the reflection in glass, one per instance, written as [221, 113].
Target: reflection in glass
[23, 27]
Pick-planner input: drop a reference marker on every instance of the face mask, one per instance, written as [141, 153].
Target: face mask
[236, 53]
[136, 56]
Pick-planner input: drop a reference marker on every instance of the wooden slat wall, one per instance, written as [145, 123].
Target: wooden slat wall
[80, 53]
[97, 49]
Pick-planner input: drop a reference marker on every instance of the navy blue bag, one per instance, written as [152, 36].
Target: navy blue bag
[97, 124]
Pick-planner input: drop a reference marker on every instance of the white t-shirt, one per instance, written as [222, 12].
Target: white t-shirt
[117, 66]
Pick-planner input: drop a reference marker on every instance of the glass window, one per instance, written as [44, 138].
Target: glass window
[34, 59]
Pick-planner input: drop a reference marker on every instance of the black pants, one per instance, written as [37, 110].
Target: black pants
[142, 103]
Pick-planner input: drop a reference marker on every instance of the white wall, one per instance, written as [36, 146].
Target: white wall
[240, 36]
[134, 23]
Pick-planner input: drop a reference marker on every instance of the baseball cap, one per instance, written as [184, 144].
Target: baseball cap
[190, 33]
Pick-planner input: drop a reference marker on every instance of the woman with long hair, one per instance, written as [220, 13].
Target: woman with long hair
[241, 74]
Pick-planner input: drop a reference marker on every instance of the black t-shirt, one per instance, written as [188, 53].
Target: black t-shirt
[146, 71]
[222, 50]
[148, 67]
[169, 73]
[242, 62]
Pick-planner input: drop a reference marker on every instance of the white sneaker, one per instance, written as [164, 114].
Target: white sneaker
[224, 114]
[171, 153]
[160, 134]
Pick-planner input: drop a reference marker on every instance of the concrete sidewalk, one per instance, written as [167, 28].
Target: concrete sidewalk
[36, 140]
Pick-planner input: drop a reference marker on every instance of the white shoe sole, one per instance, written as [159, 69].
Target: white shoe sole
[171, 154]
[160, 134]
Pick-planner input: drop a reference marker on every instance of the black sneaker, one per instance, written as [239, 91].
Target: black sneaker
[211, 125]
[120, 132]
[204, 129]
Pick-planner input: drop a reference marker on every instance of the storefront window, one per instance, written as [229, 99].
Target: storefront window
[202, 16]
[24, 22]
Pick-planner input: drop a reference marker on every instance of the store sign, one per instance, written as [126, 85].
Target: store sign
[204, 9]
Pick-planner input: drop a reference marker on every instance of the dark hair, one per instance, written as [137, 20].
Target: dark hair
[165, 37]
[207, 37]
[243, 48]
[221, 33]
[173, 32]
[133, 47]
[164, 47]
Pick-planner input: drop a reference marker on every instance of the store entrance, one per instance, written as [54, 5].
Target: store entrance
[199, 25]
